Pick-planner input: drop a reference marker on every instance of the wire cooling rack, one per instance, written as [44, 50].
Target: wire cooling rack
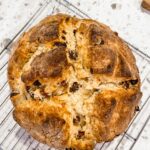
[13, 137]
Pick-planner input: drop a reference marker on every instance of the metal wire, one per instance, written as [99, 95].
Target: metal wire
[82, 14]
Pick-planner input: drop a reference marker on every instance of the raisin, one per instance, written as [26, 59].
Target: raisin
[14, 93]
[91, 70]
[80, 134]
[76, 120]
[74, 87]
[63, 37]
[37, 83]
[67, 19]
[70, 148]
[102, 42]
[63, 83]
[113, 102]
[137, 108]
[63, 31]
[79, 120]
[28, 88]
[116, 33]
[32, 95]
[133, 82]
[60, 44]
[74, 31]
[73, 55]
[95, 90]
[125, 84]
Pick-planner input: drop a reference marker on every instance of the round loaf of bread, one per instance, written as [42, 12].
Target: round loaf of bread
[74, 82]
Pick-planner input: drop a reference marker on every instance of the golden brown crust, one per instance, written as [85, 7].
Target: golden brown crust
[74, 82]
[45, 65]
[146, 4]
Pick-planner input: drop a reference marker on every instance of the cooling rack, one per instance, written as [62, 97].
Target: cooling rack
[13, 137]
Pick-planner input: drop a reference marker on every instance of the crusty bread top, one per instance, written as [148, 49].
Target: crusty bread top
[74, 82]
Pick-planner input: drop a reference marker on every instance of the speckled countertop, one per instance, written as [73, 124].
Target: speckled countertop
[124, 16]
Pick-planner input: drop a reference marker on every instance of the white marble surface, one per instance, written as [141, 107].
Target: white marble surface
[125, 17]
[145, 136]
[14, 14]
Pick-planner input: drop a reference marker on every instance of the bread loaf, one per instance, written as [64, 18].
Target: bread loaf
[74, 82]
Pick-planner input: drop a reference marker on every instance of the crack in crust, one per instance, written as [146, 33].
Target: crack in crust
[74, 82]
